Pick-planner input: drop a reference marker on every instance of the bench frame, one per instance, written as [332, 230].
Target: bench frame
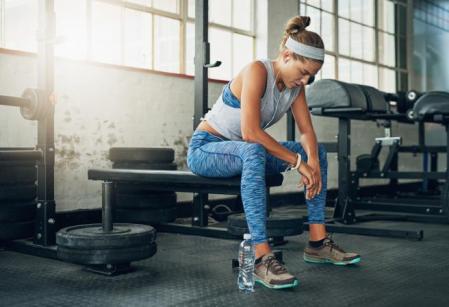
[200, 186]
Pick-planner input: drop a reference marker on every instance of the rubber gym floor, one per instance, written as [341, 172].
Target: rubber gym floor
[196, 271]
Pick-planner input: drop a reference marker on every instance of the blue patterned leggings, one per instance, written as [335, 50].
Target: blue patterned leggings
[211, 156]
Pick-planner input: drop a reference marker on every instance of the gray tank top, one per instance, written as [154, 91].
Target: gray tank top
[224, 116]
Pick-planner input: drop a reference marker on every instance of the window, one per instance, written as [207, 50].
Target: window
[20, 25]
[151, 34]
[231, 29]
[359, 49]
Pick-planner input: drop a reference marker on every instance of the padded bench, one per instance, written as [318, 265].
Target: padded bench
[180, 181]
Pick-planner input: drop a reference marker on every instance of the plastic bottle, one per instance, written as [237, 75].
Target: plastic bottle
[246, 258]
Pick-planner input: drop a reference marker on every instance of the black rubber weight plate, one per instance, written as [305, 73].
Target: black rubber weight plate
[18, 192]
[145, 201]
[17, 174]
[13, 231]
[278, 224]
[107, 256]
[153, 216]
[142, 165]
[14, 163]
[135, 154]
[92, 236]
[17, 211]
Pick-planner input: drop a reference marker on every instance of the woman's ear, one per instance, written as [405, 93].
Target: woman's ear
[286, 56]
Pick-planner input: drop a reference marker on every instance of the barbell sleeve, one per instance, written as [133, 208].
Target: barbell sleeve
[14, 101]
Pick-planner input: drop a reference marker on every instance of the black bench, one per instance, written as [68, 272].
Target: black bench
[180, 181]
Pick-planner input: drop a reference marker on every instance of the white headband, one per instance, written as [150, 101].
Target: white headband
[305, 50]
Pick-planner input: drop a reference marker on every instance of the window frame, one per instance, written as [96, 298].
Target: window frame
[181, 16]
[377, 30]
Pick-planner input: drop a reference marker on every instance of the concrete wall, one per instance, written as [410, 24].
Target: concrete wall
[101, 106]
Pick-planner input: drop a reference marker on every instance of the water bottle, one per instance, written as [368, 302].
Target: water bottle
[246, 264]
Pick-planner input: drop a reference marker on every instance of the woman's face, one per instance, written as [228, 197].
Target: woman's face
[296, 73]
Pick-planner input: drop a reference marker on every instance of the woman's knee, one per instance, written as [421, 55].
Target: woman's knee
[254, 150]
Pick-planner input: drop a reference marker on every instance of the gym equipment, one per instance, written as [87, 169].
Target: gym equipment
[202, 58]
[38, 104]
[145, 200]
[145, 216]
[13, 211]
[143, 155]
[134, 203]
[143, 165]
[18, 192]
[34, 104]
[16, 230]
[279, 225]
[342, 100]
[18, 172]
[183, 181]
[106, 248]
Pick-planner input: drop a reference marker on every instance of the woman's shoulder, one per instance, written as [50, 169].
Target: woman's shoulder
[255, 69]
[254, 75]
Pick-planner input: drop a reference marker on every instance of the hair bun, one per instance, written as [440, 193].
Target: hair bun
[297, 24]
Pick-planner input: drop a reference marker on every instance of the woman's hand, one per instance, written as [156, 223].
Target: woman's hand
[311, 177]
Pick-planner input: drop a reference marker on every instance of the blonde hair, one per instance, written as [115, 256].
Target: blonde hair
[296, 29]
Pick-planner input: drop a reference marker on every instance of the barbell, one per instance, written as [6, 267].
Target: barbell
[34, 103]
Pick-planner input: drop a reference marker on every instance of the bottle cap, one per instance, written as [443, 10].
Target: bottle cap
[246, 236]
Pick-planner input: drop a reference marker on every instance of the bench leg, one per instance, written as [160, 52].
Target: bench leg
[199, 217]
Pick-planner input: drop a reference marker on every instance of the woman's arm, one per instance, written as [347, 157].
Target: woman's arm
[308, 141]
[303, 120]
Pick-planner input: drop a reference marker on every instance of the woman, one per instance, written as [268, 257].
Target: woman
[231, 141]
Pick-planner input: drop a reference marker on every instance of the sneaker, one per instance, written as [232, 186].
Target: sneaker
[271, 273]
[330, 252]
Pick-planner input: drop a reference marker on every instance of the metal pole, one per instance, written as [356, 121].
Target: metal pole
[201, 58]
[45, 216]
[107, 200]
[14, 101]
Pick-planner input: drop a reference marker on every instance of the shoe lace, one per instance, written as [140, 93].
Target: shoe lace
[329, 242]
[274, 265]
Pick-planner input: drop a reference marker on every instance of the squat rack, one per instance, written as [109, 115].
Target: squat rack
[44, 152]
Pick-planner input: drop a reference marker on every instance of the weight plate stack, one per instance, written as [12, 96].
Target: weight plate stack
[90, 245]
[18, 193]
[145, 155]
[134, 202]
[278, 224]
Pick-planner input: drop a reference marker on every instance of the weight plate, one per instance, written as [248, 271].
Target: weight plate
[38, 107]
[18, 192]
[145, 201]
[17, 211]
[142, 165]
[17, 174]
[16, 163]
[13, 231]
[107, 256]
[153, 216]
[278, 224]
[91, 236]
[136, 154]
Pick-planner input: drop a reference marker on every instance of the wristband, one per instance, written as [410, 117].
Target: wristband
[298, 162]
